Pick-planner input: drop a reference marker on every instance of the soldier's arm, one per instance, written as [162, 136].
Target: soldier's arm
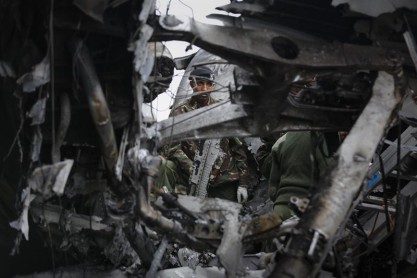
[275, 173]
[177, 155]
[183, 161]
[241, 160]
[264, 159]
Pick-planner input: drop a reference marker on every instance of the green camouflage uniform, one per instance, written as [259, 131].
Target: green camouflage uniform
[299, 159]
[228, 172]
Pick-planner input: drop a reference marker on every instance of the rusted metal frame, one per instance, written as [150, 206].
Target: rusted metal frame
[97, 103]
[329, 209]
[231, 43]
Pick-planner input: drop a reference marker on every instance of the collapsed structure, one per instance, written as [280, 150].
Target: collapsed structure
[79, 159]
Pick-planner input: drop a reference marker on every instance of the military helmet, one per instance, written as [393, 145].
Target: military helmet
[202, 72]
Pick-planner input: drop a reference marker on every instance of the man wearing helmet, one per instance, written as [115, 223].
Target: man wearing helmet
[212, 167]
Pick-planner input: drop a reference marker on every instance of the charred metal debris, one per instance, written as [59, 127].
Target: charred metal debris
[79, 158]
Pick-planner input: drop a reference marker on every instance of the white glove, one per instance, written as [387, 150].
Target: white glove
[242, 194]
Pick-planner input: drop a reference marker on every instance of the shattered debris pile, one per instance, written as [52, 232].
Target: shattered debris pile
[79, 158]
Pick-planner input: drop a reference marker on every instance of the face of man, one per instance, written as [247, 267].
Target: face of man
[203, 87]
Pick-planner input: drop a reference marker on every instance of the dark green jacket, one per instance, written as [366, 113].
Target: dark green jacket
[299, 159]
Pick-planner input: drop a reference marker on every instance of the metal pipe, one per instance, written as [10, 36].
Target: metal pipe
[329, 210]
[96, 102]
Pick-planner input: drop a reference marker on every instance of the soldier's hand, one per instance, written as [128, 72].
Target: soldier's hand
[242, 194]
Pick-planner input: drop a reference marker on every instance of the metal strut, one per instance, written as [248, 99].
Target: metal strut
[329, 210]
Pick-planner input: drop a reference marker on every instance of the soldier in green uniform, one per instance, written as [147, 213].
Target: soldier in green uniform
[222, 173]
[299, 159]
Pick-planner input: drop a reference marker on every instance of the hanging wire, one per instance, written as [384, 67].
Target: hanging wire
[16, 138]
[385, 196]
[192, 11]
[168, 7]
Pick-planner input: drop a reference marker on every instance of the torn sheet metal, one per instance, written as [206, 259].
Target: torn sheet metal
[377, 7]
[37, 112]
[230, 251]
[22, 224]
[39, 76]
[73, 222]
[6, 69]
[143, 61]
[93, 8]
[51, 179]
[148, 7]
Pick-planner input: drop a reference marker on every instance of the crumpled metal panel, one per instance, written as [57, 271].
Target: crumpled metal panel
[148, 7]
[144, 60]
[51, 179]
[37, 112]
[39, 76]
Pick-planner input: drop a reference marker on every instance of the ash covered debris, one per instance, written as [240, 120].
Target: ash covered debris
[80, 160]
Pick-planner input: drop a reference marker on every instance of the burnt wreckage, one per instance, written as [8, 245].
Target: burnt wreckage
[79, 158]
